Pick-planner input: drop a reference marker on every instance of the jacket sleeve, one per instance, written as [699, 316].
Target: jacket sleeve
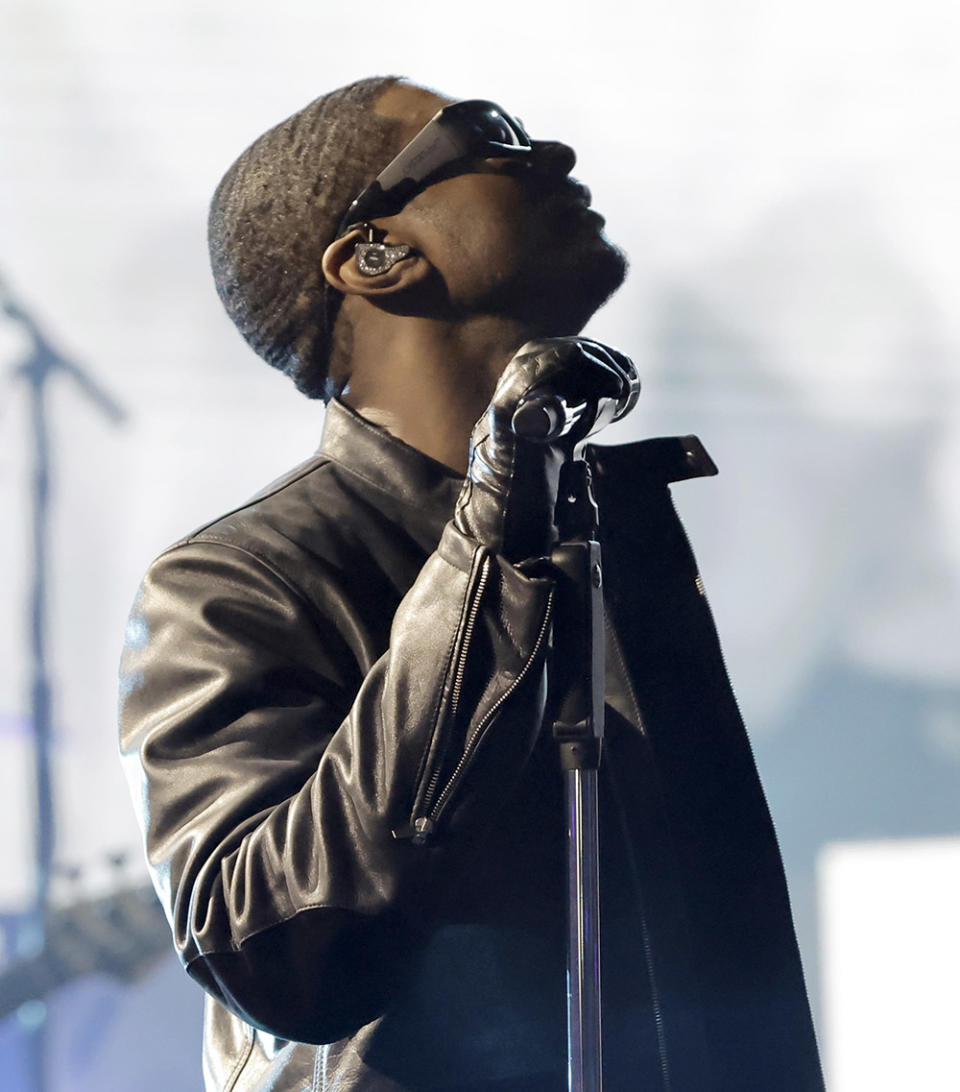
[296, 849]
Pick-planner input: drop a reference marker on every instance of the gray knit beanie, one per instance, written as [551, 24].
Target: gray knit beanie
[275, 212]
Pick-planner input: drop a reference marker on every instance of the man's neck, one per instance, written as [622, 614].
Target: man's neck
[427, 382]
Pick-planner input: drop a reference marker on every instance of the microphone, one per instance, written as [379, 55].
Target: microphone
[544, 416]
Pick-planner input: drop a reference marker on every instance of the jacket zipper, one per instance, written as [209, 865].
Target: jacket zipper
[459, 672]
[430, 806]
[468, 636]
[476, 736]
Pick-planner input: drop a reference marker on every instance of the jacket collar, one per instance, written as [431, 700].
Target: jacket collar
[656, 461]
[411, 478]
[415, 481]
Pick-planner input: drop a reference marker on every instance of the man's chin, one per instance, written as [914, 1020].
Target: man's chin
[611, 271]
[560, 291]
[586, 280]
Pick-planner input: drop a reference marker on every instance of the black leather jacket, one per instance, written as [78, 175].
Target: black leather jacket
[313, 675]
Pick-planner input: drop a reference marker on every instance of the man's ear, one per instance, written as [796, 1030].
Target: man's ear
[343, 271]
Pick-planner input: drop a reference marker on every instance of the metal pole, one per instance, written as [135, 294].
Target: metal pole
[584, 1035]
[42, 361]
[33, 929]
[577, 703]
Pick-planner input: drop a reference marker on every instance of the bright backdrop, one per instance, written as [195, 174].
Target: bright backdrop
[784, 178]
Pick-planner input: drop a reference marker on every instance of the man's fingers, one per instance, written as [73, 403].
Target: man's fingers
[619, 361]
[586, 369]
[578, 370]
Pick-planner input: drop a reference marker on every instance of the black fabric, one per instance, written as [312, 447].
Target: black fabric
[285, 681]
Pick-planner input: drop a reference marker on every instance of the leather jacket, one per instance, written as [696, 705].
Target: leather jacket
[330, 711]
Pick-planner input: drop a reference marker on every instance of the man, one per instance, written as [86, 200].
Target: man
[333, 696]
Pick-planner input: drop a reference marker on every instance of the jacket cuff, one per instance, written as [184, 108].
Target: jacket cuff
[460, 550]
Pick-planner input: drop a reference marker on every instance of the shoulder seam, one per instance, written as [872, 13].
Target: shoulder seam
[315, 462]
[201, 539]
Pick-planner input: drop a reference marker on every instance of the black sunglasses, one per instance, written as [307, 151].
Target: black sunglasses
[472, 129]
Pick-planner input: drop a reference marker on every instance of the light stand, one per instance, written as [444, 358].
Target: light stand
[41, 363]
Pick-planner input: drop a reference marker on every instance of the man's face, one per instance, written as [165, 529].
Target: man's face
[509, 238]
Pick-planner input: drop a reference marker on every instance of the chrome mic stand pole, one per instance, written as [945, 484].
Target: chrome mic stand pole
[578, 691]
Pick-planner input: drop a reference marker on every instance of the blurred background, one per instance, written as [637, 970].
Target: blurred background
[784, 177]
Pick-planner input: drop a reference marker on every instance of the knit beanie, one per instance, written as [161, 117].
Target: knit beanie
[275, 212]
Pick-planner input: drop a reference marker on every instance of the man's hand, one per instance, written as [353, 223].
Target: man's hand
[578, 371]
[508, 499]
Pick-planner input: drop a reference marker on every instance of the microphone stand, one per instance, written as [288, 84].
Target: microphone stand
[43, 361]
[578, 714]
